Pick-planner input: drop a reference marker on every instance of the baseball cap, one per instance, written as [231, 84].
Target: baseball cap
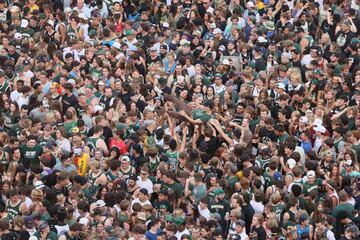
[29, 221]
[217, 31]
[144, 191]
[218, 191]
[304, 119]
[100, 203]
[320, 129]
[310, 173]
[84, 221]
[39, 184]
[226, 62]
[280, 85]
[291, 162]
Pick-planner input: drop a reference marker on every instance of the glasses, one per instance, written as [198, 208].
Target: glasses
[205, 3]
[143, 173]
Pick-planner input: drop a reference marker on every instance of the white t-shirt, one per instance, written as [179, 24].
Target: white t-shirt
[148, 185]
[257, 206]
[179, 234]
[136, 200]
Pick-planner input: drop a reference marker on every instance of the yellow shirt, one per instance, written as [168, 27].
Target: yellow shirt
[82, 164]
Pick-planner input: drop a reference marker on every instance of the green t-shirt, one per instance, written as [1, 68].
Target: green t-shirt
[200, 114]
[311, 187]
[15, 130]
[31, 154]
[176, 187]
[69, 126]
[51, 235]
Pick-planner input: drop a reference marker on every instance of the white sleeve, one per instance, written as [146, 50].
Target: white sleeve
[330, 235]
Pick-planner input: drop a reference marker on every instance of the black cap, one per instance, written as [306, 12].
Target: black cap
[144, 191]
[164, 192]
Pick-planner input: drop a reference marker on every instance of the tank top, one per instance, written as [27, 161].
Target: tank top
[3, 15]
[92, 178]
[4, 162]
[300, 231]
[112, 176]
[127, 173]
[14, 210]
[62, 229]
[71, 33]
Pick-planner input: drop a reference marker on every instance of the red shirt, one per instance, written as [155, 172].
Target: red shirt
[120, 144]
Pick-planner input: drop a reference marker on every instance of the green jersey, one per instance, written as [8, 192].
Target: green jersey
[31, 154]
[13, 209]
[173, 159]
[200, 114]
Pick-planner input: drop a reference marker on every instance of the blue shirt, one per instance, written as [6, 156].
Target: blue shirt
[149, 235]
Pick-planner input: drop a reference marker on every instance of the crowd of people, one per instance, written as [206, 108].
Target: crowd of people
[179, 120]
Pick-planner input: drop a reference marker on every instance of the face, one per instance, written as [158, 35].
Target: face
[31, 143]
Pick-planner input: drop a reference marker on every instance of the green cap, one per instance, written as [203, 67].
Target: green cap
[179, 220]
[319, 71]
[314, 81]
[121, 126]
[90, 191]
[129, 32]
[218, 75]
[218, 191]
[151, 141]
[169, 218]
[89, 86]
[42, 16]
[252, 64]
[354, 41]
[92, 32]
[100, 52]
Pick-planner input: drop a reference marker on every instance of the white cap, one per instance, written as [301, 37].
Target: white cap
[217, 31]
[82, 16]
[39, 184]
[304, 119]
[14, 9]
[310, 173]
[100, 203]
[50, 22]
[317, 122]
[320, 129]
[183, 42]
[17, 36]
[226, 62]
[250, 4]
[261, 39]
[280, 85]
[213, 25]
[291, 163]
[165, 25]
[84, 221]
[125, 159]
[24, 23]
[286, 55]
[67, 10]
[72, 81]
[98, 108]
[116, 45]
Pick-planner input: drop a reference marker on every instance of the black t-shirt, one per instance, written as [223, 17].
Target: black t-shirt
[265, 135]
[261, 234]
[211, 145]
[343, 39]
[68, 102]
